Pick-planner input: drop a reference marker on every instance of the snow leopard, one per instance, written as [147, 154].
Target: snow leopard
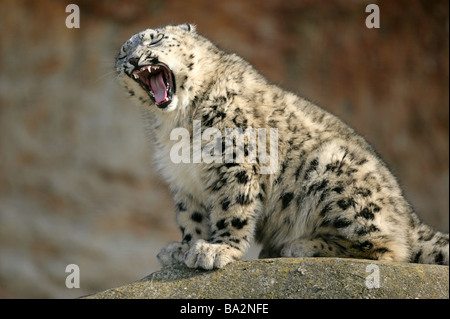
[329, 193]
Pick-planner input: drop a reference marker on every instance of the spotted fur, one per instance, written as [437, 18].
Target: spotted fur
[331, 195]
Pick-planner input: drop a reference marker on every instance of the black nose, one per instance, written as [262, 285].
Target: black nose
[134, 62]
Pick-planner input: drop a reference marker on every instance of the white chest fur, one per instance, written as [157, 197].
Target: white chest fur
[184, 176]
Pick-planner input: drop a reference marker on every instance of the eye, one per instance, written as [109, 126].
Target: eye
[123, 52]
[157, 39]
[126, 46]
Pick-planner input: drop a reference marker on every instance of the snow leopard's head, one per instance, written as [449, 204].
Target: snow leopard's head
[158, 66]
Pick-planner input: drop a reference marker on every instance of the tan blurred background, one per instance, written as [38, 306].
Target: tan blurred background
[76, 181]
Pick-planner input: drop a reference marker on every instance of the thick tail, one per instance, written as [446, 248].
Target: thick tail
[429, 246]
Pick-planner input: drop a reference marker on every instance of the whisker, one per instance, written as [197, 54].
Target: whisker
[108, 74]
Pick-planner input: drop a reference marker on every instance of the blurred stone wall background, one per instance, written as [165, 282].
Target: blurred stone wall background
[76, 180]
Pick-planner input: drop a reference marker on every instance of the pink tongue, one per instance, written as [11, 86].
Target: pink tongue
[159, 88]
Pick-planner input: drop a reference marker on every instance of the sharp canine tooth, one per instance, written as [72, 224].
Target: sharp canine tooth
[136, 76]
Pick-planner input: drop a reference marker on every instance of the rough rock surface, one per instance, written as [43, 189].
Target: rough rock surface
[292, 278]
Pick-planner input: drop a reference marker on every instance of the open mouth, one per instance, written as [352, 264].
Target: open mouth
[157, 80]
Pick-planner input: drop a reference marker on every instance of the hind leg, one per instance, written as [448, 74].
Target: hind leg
[337, 246]
[316, 247]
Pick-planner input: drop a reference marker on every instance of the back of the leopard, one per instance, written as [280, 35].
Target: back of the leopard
[335, 197]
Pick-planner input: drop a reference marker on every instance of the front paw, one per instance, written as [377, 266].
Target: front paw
[208, 256]
[172, 254]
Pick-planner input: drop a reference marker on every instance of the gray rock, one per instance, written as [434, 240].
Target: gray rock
[288, 278]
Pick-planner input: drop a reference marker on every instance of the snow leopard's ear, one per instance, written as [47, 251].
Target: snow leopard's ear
[188, 27]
